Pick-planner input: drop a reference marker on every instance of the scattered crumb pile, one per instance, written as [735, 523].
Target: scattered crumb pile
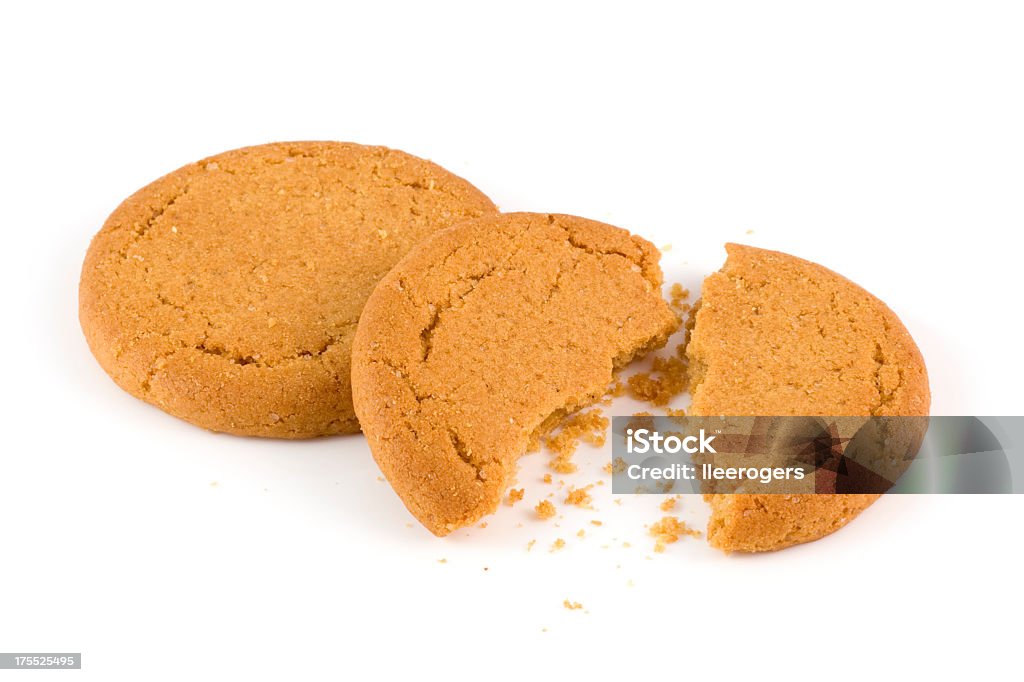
[669, 530]
[678, 296]
[614, 391]
[667, 379]
[589, 427]
[561, 436]
[668, 376]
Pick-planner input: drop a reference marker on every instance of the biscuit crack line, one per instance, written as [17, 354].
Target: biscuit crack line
[427, 333]
[458, 445]
[878, 355]
[151, 222]
[464, 454]
[243, 360]
[571, 239]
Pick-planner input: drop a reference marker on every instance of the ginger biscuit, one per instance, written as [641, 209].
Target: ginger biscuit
[778, 335]
[481, 334]
[227, 293]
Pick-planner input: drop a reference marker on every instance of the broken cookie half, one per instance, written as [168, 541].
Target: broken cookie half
[775, 335]
[480, 335]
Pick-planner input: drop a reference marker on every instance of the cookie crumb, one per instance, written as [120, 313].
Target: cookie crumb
[514, 496]
[667, 378]
[678, 294]
[616, 389]
[545, 510]
[588, 427]
[558, 544]
[572, 605]
[641, 420]
[579, 497]
[668, 531]
[668, 505]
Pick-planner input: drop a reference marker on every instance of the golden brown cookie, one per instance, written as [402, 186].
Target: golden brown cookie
[227, 292]
[778, 335]
[483, 332]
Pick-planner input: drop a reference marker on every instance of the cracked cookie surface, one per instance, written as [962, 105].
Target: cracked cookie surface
[227, 293]
[779, 335]
[481, 334]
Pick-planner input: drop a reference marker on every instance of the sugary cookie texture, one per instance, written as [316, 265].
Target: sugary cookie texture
[778, 335]
[227, 293]
[481, 334]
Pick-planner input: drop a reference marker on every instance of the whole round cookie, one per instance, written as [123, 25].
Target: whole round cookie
[778, 335]
[481, 335]
[227, 293]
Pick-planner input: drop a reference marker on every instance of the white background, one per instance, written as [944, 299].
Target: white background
[883, 139]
